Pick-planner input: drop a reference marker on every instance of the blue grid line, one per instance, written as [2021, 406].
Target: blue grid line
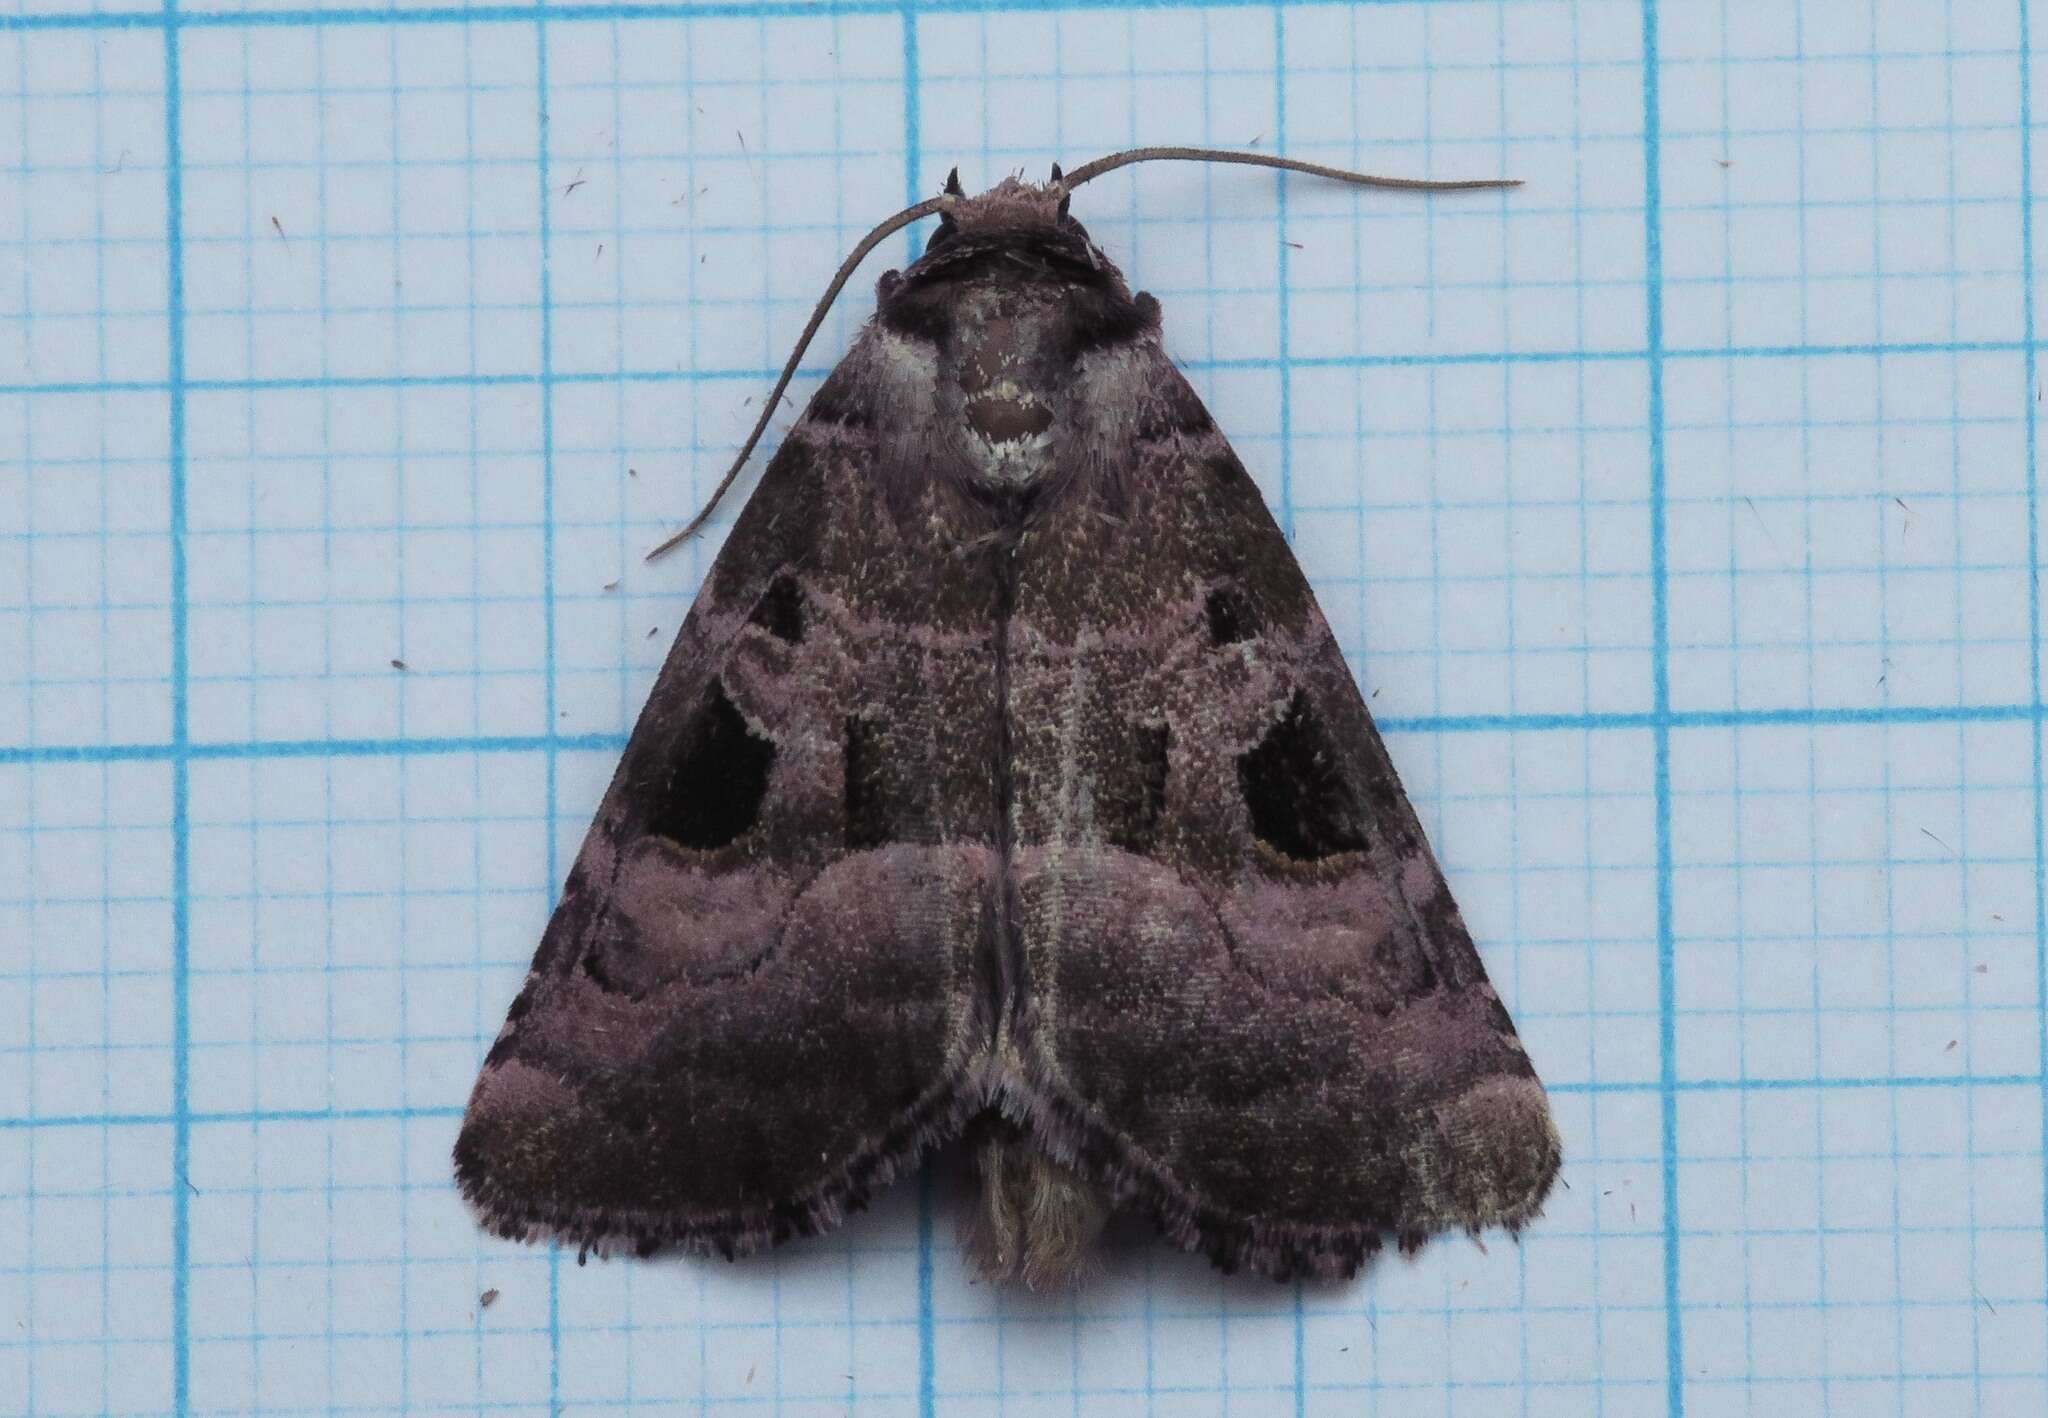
[1228, 364]
[181, 789]
[1740, 1083]
[1660, 669]
[2033, 483]
[547, 416]
[913, 165]
[1592, 721]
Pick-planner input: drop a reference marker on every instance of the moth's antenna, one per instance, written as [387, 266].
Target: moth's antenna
[929, 207]
[1088, 172]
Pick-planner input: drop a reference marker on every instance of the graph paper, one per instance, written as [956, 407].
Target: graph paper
[1678, 510]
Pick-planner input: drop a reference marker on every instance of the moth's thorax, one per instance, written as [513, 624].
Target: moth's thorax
[998, 371]
[993, 324]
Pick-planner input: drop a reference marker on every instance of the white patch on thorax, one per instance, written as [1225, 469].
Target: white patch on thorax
[1013, 462]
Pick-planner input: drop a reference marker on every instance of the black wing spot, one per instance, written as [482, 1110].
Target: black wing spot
[719, 780]
[1231, 616]
[867, 821]
[781, 611]
[1300, 804]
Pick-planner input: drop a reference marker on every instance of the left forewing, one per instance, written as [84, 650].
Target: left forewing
[757, 998]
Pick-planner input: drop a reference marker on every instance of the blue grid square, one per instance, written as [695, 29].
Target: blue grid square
[1845, 181]
[82, 197]
[351, 922]
[86, 640]
[85, 907]
[1456, 91]
[1848, 530]
[88, 1275]
[1015, 90]
[318, 1244]
[335, 531]
[1208, 248]
[1476, 534]
[697, 176]
[1854, 902]
[1803, 1278]
[361, 202]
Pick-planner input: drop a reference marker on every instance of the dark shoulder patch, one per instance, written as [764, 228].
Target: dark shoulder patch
[920, 311]
[842, 400]
[1098, 318]
[1172, 408]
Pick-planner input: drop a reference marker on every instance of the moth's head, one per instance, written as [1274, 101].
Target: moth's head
[1013, 219]
[1011, 205]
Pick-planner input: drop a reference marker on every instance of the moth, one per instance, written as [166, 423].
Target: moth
[1005, 781]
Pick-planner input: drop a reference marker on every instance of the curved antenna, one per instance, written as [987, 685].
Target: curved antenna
[1088, 172]
[929, 207]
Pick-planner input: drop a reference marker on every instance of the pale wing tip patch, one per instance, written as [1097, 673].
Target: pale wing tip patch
[1502, 1154]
